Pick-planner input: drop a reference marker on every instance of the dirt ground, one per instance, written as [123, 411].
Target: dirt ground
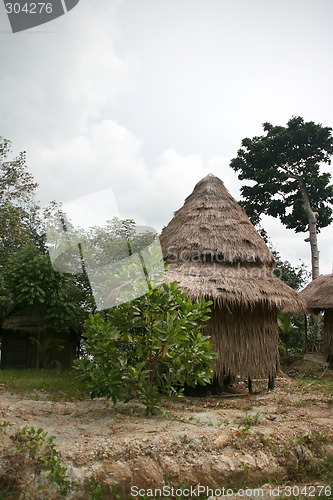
[235, 440]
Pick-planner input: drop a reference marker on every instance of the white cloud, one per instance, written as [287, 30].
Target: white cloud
[110, 157]
[172, 179]
[149, 126]
[57, 82]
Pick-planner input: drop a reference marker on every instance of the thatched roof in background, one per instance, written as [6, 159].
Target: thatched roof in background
[213, 250]
[319, 293]
[21, 320]
[33, 324]
[211, 221]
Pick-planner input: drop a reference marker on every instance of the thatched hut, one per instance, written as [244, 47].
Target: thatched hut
[318, 296]
[214, 251]
[28, 342]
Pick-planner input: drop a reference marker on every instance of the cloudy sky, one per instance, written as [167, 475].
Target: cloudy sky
[143, 98]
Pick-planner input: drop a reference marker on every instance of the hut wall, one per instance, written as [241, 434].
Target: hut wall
[328, 333]
[18, 350]
[246, 340]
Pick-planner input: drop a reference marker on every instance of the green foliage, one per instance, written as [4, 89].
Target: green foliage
[96, 247]
[116, 240]
[291, 332]
[16, 183]
[291, 326]
[4, 424]
[34, 448]
[39, 445]
[147, 348]
[295, 276]
[250, 419]
[17, 208]
[115, 257]
[278, 163]
[33, 285]
[35, 289]
[47, 345]
[316, 465]
[19, 219]
[97, 490]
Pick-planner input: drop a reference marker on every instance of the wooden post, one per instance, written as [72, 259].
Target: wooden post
[271, 383]
[305, 334]
[249, 384]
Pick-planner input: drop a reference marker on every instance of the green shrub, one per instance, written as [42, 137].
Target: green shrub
[147, 348]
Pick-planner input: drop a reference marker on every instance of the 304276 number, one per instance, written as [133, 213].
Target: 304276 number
[28, 8]
[308, 491]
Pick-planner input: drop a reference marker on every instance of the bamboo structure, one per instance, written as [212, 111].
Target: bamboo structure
[213, 251]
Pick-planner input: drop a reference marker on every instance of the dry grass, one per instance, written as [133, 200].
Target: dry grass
[246, 341]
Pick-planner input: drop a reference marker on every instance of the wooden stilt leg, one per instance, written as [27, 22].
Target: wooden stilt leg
[271, 383]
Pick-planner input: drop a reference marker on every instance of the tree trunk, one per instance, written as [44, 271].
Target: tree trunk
[312, 218]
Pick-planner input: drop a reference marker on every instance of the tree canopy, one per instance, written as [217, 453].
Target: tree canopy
[284, 166]
[18, 212]
[33, 285]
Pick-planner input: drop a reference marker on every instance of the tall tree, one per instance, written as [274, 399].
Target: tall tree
[284, 164]
[18, 212]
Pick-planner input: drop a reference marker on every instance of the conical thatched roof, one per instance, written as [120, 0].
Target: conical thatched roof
[212, 223]
[214, 251]
[319, 293]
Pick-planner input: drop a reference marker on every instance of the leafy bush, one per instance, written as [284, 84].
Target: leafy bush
[288, 334]
[147, 348]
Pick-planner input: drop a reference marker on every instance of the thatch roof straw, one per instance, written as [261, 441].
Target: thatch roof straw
[213, 250]
[228, 286]
[211, 223]
[319, 293]
[33, 324]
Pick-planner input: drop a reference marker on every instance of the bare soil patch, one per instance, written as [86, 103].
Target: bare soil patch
[233, 440]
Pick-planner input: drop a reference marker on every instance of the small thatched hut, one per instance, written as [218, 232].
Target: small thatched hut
[318, 296]
[27, 342]
[214, 251]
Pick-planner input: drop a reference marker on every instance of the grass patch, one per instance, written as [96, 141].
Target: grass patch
[317, 385]
[57, 385]
[248, 420]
